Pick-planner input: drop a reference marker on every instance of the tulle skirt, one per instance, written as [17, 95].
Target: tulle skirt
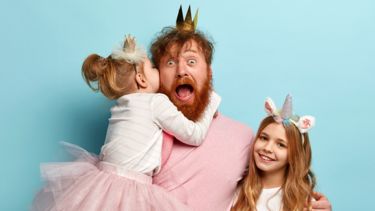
[89, 184]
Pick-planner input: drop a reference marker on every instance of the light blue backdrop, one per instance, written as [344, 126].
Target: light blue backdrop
[320, 51]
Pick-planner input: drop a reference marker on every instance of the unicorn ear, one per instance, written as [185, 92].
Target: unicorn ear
[305, 123]
[269, 107]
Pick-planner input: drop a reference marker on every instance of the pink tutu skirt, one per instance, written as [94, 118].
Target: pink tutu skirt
[89, 184]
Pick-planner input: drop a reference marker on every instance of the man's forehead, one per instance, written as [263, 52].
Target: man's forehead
[190, 46]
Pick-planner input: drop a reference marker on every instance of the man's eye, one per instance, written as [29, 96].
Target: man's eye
[171, 63]
[192, 61]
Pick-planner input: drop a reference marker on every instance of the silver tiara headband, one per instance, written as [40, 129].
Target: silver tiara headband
[129, 51]
[285, 115]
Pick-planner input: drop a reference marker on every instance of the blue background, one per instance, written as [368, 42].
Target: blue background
[320, 51]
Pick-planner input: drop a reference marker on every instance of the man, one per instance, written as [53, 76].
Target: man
[204, 177]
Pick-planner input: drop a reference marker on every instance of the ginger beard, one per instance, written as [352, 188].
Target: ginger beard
[186, 86]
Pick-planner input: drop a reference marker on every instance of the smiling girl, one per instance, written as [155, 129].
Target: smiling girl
[279, 177]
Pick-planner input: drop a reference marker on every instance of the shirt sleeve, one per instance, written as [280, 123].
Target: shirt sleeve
[172, 121]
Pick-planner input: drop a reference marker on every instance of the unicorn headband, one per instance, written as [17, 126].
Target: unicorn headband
[285, 115]
[129, 52]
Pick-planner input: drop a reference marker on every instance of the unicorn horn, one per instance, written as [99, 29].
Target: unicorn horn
[287, 110]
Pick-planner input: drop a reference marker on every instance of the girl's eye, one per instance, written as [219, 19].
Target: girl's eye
[263, 138]
[192, 61]
[281, 145]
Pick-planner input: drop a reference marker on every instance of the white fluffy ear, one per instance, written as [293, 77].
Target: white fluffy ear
[305, 123]
[269, 107]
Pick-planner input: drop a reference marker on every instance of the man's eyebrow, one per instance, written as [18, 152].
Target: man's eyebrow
[190, 51]
[170, 56]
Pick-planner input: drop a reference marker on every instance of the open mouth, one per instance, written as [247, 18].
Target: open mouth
[184, 92]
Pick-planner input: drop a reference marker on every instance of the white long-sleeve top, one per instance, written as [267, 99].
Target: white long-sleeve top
[134, 135]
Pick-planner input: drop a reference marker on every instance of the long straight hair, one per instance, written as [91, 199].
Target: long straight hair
[299, 180]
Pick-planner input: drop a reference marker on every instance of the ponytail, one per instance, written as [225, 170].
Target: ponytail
[114, 78]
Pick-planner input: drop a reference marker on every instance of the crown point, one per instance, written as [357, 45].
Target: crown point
[180, 18]
[188, 15]
[186, 24]
[195, 21]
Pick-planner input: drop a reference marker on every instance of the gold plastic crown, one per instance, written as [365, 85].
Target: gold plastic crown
[187, 24]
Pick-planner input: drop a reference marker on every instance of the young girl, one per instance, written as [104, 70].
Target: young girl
[279, 177]
[120, 179]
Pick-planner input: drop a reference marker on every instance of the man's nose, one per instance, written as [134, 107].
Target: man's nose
[181, 70]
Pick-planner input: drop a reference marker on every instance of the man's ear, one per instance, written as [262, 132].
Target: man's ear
[141, 80]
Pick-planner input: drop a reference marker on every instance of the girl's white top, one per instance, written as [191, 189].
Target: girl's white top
[134, 136]
[270, 200]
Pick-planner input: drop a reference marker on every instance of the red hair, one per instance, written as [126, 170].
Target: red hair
[170, 36]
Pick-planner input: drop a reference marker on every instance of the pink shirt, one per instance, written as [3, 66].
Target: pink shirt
[205, 177]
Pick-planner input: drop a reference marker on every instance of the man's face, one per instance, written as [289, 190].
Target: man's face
[186, 78]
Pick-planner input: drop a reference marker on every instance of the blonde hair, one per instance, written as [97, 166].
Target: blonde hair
[299, 179]
[114, 78]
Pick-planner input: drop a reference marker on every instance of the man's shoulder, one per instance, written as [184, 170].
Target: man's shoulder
[225, 120]
[229, 125]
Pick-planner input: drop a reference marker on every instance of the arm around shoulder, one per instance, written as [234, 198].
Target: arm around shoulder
[321, 203]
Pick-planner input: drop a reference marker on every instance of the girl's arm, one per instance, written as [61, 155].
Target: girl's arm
[172, 121]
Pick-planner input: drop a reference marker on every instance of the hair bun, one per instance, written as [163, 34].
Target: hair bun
[93, 68]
